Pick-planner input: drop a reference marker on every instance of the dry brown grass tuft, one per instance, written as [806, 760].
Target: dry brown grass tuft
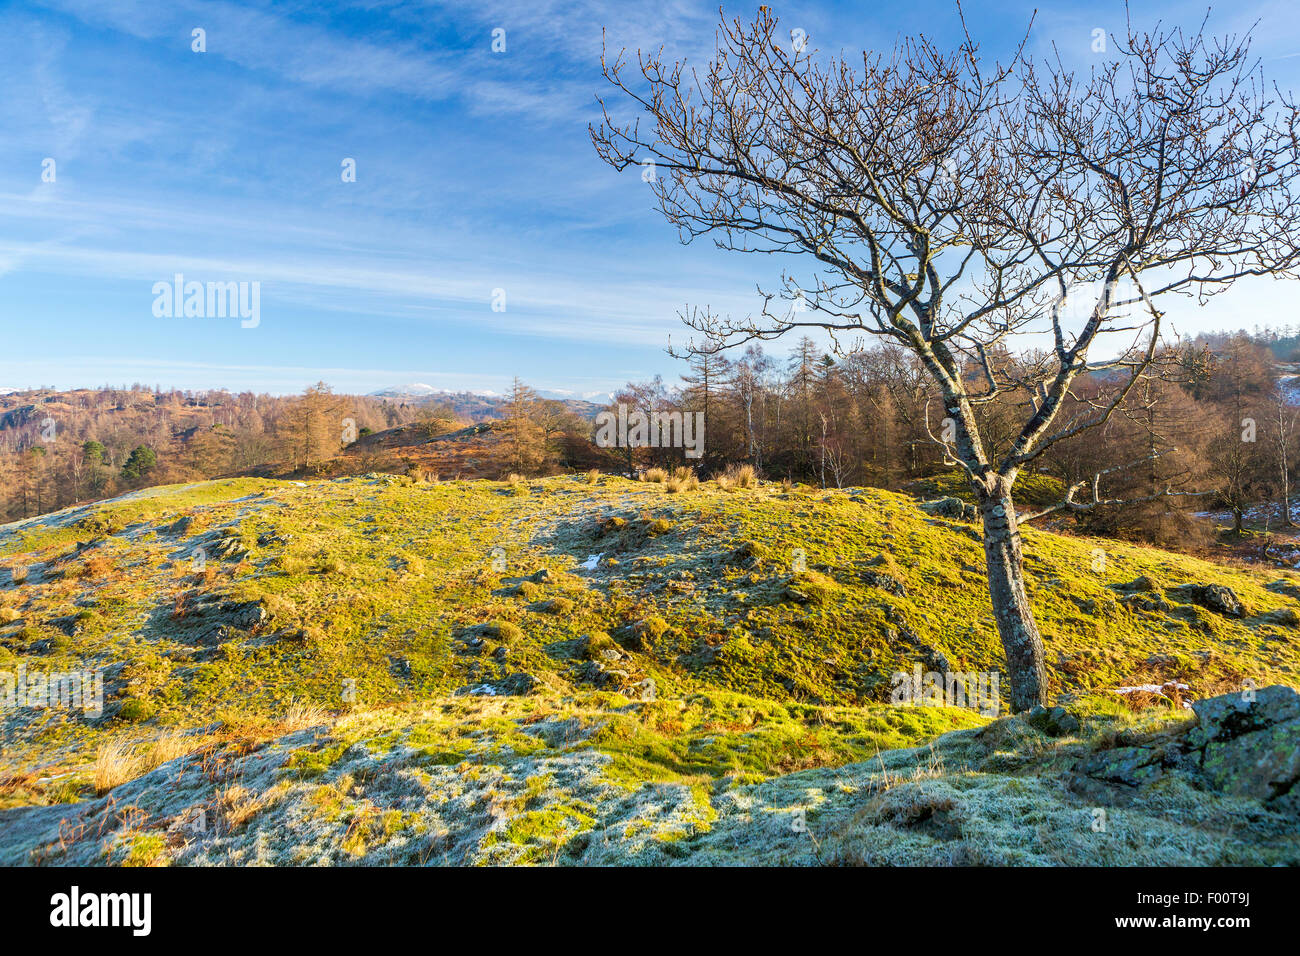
[301, 715]
[683, 479]
[236, 805]
[655, 475]
[18, 782]
[96, 566]
[119, 761]
[738, 476]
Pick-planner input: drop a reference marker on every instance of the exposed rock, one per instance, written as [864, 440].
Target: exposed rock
[1142, 583]
[246, 614]
[1230, 716]
[1053, 721]
[1246, 744]
[1214, 597]
[220, 621]
[1143, 602]
[228, 547]
[520, 683]
[884, 582]
[930, 656]
[950, 507]
[606, 678]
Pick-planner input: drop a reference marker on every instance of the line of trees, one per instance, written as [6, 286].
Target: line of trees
[1213, 416]
[1210, 427]
[61, 448]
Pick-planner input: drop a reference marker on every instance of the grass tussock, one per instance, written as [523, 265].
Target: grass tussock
[682, 479]
[120, 761]
[738, 477]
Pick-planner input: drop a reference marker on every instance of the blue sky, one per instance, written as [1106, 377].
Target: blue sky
[474, 173]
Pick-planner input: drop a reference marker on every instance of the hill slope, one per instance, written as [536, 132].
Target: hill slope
[475, 451]
[370, 669]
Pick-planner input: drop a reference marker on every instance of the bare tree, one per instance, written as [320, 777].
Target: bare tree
[1283, 421]
[959, 208]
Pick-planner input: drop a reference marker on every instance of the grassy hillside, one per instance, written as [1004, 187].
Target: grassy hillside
[456, 653]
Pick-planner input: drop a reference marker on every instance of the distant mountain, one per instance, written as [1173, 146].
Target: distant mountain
[419, 390]
[486, 405]
[413, 390]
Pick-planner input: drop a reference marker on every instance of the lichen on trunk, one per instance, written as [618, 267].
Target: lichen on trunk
[1011, 609]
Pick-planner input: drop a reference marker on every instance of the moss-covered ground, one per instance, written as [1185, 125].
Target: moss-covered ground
[572, 646]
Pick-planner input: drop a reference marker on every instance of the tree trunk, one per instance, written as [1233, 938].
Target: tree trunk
[1286, 494]
[1015, 618]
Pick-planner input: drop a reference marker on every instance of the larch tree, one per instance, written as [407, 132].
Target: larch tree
[525, 441]
[969, 211]
[703, 380]
[314, 425]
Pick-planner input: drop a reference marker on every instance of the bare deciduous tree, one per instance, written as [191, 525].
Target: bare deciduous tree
[960, 208]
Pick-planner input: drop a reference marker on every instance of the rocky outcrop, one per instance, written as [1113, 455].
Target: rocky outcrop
[884, 582]
[1053, 721]
[216, 620]
[1213, 597]
[950, 507]
[1246, 744]
[1251, 747]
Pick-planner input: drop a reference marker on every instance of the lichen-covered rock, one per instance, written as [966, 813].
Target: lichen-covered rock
[1230, 716]
[1246, 744]
[1053, 721]
[1251, 741]
[884, 582]
[1214, 597]
[950, 507]
[1264, 764]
